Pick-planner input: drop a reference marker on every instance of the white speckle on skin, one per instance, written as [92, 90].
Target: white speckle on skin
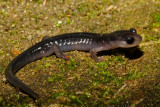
[72, 42]
[46, 44]
[39, 48]
[56, 42]
[80, 41]
[84, 40]
[52, 42]
[69, 42]
[87, 41]
[60, 44]
[64, 42]
[76, 42]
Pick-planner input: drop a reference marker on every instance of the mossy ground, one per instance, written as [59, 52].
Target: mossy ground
[82, 81]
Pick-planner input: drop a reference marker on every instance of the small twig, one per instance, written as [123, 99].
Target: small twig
[115, 95]
[137, 102]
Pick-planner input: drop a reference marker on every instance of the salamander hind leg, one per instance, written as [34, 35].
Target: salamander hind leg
[54, 48]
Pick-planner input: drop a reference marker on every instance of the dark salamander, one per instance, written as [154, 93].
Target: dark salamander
[91, 42]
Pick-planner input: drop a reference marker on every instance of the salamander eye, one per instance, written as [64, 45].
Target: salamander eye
[129, 40]
[133, 30]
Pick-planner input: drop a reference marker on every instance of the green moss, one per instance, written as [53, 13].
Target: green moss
[107, 92]
[4, 102]
[76, 100]
[56, 95]
[69, 21]
[118, 59]
[116, 101]
[38, 1]
[59, 23]
[72, 64]
[135, 75]
[86, 95]
[2, 12]
[106, 76]
[119, 81]
[56, 78]
[157, 20]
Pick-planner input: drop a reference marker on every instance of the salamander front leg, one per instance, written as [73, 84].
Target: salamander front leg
[59, 53]
[94, 55]
[94, 51]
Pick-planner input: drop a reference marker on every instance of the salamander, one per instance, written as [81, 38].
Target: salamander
[92, 42]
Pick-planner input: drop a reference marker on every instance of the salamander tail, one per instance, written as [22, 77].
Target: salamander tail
[11, 78]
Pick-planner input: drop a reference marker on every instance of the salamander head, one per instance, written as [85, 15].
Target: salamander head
[125, 38]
